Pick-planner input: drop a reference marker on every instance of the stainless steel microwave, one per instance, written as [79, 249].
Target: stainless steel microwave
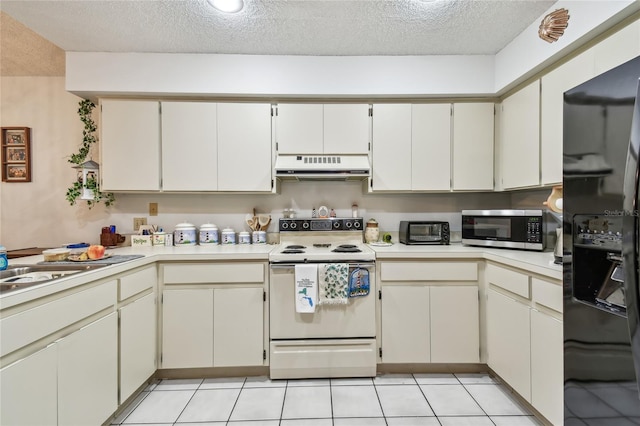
[517, 229]
[424, 232]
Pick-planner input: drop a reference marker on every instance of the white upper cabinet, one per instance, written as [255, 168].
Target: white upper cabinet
[130, 145]
[520, 138]
[473, 141]
[244, 147]
[617, 49]
[323, 129]
[430, 147]
[391, 147]
[347, 128]
[299, 129]
[574, 72]
[189, 146]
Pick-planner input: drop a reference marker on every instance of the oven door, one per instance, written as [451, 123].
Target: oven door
[354, 320]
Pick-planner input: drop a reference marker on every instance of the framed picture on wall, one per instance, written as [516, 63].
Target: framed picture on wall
[16, 154]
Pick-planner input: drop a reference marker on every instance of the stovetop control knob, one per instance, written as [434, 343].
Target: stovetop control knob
[305, 225]
[349, 225]
[356, 224]
[294, 225]
[284, 225]
[336, 224]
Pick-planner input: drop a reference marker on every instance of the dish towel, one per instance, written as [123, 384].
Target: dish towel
[359, 283]
[306, 288]
[333, 283]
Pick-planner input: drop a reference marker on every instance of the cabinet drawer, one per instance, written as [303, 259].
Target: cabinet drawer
[26, 327]
[137, 282]
[547, 294]
[429, 271]
[224, 273]
[509, 280]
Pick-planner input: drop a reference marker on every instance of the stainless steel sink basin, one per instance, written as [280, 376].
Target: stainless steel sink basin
[18, 277]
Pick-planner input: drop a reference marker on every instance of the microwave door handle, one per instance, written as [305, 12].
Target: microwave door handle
[631, 235]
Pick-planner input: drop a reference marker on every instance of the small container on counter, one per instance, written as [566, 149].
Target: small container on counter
[354, 210]
[184, 234]
[209, 234]
[168, 240]
[4, 263]
[56, 254]
[159, 238]
[244, 237]
[259, 237]
[228, 236]
[372, 231]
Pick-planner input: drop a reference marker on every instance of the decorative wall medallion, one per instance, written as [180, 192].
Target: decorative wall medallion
[553, 25]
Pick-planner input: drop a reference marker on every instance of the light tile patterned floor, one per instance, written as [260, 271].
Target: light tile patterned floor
[387, 400]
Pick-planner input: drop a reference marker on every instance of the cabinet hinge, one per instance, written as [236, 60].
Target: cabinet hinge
[264, 354]
[370, 111]
[369, 147]
[161, 298]
[379, 294]
[274, 111]
[271, 183]
[264, 296]
[371, 183]
[380, 352]
[160, 358]
[276, 146]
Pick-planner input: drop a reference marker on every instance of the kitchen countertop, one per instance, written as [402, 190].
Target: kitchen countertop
[535, 262]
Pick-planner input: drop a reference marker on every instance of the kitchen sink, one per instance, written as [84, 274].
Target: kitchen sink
[17, 277]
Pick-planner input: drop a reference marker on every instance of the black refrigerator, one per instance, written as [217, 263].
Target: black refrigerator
[601, 139]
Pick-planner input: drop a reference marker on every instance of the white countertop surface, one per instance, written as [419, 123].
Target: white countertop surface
[535, 262]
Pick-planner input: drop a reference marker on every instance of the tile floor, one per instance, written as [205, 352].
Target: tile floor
[392, 399]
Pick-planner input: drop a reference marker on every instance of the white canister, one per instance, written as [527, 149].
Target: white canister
[209, 234]
[259, 237]
[228, 236]
[184, 234]
[372, 231]
[244, 237]
[168, 239]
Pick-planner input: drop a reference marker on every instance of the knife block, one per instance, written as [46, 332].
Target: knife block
[111, 239]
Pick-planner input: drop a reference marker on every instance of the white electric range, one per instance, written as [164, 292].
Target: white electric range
[335, 340]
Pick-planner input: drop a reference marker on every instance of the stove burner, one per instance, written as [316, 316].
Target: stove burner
[295, 247]
[322, 245]
[346, 248]
[292, 251]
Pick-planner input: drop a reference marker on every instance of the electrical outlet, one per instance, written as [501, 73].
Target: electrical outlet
[153, 209]
[138, 222]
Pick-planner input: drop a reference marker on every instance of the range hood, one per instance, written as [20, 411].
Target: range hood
[322, 167]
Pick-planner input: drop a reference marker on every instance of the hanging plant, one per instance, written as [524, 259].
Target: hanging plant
[86, 187]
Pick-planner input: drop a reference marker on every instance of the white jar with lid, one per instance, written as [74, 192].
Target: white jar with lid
[372, 231]
[259, 237]
[209, 234]
[244, 237]
[228, 236]
[184, 234]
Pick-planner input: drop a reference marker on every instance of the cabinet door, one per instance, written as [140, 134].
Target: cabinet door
[391, 151]
[473, 140]
[574, 72]
[547, 366]
[347, 129]
[130, 145]
[137, 344]
[520, 138]
[238, 327]
[299, 129]
[29, 389]
[509, 341]
[88, 373]
[455, 326]
[187, 328]
[244, 147]
[430, 147]
[405, 324]
[189, 146]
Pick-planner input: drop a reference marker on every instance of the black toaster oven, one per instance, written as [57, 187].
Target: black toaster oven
[424, 232]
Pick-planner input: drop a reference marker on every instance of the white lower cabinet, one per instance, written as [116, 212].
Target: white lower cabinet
[455, 326]
[547, 382]
[88, 373]
[405, 324]
[509, 341]
[29, 390]
[219, 327]
[137, 344]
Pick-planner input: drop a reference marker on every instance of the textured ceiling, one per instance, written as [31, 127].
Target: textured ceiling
[281, 27]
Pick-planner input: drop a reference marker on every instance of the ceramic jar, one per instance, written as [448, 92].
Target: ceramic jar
[184, 234]
[372, 231]
[259, 237]
[209, 234]
[228, 236]
[244, 237]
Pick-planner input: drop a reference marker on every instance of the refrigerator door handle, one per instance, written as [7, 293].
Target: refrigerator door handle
[630, 236]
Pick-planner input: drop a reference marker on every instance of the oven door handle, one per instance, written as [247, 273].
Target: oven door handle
[293, 265]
